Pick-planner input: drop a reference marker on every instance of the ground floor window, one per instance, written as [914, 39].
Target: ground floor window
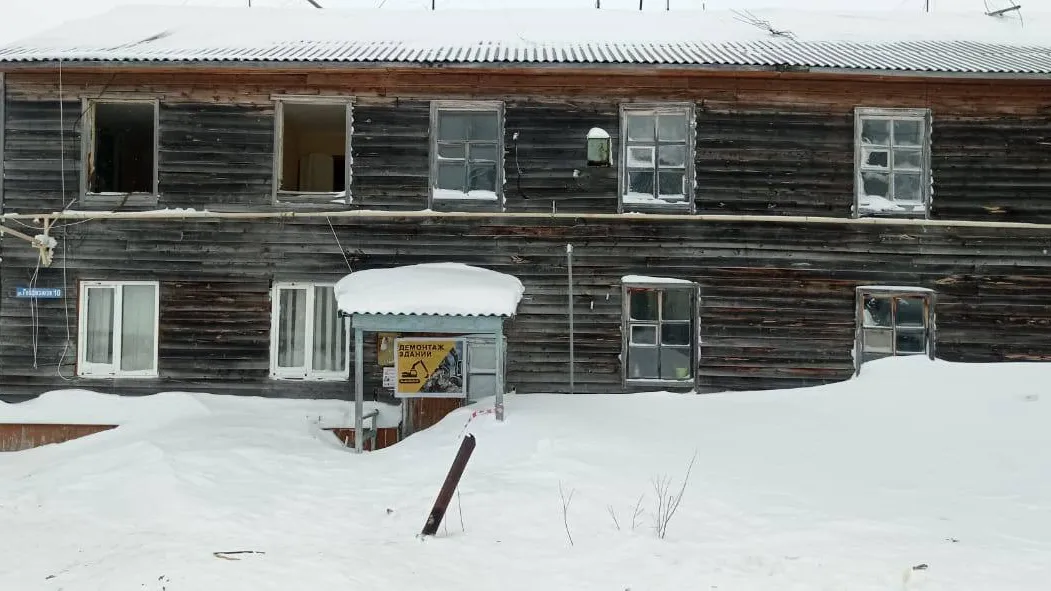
[117, 336]
[659, 331]
[308, 338]
[894, 321]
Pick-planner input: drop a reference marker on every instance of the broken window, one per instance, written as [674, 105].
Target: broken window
[894, 321]
[657, 156]
[467, 151]
[121, 151]
[313, 146]
[659, 334]
[118, 329]
[893, 175]
[309, 339]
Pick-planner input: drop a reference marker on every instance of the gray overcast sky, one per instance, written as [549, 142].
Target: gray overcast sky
[21, 18]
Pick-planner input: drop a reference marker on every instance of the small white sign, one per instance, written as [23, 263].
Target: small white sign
[388, 377]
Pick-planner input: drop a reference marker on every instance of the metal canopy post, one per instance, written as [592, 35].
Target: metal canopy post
[359, 391]
[499, 336]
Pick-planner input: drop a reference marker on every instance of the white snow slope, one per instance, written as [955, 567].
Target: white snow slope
[844, 487]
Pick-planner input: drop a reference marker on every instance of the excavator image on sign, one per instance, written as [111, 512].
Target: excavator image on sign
[429, 368]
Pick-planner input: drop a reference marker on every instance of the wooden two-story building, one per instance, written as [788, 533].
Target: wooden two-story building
[754, 200]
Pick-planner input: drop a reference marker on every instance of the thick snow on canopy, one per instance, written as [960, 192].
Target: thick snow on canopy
[847, 486]
[439, 289]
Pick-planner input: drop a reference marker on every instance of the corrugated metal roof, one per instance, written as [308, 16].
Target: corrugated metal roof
[703, 40]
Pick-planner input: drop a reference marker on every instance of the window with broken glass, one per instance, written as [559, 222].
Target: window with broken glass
[659, 333]
[467, 148]
[895, 323]
[893, 176]
[657, 152]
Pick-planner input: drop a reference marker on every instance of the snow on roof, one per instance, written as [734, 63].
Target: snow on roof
[865, 40]
[437, 289]
[647, 280]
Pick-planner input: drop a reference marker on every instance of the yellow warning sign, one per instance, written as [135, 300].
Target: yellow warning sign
[429, 368]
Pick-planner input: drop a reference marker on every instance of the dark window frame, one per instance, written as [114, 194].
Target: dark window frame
[88, 147]
[893, 294]
[437, 108]
[325, 198]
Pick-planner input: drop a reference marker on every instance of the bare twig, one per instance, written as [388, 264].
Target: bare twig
[459, 509]
[614, 516]
[638, 512]
[565, 510]
[667, 504]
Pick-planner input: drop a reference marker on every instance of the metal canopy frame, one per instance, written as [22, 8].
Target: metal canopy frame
[362, 323]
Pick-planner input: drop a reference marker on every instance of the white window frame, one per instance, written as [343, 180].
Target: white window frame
[306, 372]
[909, 209]
[87, 154]
[112, 370]
[893, 293]
[689, 175]
[325, 197]
[439, 107]
[627, 323]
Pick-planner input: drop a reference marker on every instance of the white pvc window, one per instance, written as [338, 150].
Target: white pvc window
[118, 329]
[892, 161]
[657, 155]
[308, 338]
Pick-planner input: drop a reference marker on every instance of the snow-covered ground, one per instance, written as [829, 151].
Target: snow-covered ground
[848, 486]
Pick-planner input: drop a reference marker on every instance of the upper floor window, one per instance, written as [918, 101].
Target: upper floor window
[892, 162]
[119, 151]
[117, 336]
[467, 147]
[312, 144]
[308, 338]
[657, 156]
[894, 321]
[659, 330]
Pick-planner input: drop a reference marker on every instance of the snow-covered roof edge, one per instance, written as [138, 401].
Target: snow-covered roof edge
[430, 289]
[648, 280]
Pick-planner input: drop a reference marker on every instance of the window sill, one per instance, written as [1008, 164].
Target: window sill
[328, 378]
[313, 198]
[119, 199]
[685, 382]
[118, 376]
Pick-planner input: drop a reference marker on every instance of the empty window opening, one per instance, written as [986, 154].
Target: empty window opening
[893, 322]
[659, 333]
[309, 339]
[313, 147]
[123, 151]
[118, 329]
[468, 151]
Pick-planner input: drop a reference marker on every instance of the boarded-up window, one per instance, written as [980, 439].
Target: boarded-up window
[122, 148]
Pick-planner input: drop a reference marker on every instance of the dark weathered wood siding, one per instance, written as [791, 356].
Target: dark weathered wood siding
[777, 298]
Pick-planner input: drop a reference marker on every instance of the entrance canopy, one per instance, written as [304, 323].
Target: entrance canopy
[429, 298]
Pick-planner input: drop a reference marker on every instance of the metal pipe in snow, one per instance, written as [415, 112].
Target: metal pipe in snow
[572, 365]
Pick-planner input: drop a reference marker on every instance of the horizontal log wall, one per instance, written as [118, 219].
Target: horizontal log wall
[777, 299]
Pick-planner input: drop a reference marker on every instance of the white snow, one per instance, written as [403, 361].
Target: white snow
[450, 289]
[596, 133]
[879, 204]
[649, 199]
[84, 407]
[45, 241]
[896, 288]
[847, 486]
[453, 195]
[647, 280]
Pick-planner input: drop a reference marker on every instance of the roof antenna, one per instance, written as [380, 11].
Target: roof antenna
[314, 3]
[1002, 11]
[640, 4]
[598, 4]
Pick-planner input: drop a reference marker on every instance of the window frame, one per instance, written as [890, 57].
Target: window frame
[280, 197]
[306, 373]
[87, 147]
[923, 115]
[690, 177]
[88, 369]
[894, 293]
[627, 324]
[438, 107]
